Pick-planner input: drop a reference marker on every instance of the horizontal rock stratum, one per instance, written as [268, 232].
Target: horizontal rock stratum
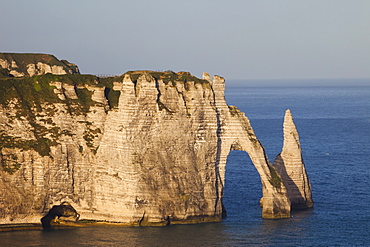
[144, 148]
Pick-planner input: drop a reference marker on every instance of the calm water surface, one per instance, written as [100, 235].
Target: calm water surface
[334, 127]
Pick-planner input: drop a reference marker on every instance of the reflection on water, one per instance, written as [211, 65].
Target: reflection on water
[178, 235]
[262, 233]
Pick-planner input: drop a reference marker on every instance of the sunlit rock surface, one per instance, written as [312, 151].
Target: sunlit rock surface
[30, 64]
[289, 164]
[144, 148]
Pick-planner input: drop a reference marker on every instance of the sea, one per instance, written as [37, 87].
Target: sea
[333, 121]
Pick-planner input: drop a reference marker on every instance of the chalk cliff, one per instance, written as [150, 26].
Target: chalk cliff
[29, 64]
[144, 148]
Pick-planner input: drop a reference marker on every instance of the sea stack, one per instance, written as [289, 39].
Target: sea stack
[289, 164]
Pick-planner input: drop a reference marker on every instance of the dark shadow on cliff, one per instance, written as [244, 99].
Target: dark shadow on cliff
[64, 210]
[296, 199]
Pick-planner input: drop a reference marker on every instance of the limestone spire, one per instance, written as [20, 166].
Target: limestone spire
[206, 76]
[291, 137]
[289, 164]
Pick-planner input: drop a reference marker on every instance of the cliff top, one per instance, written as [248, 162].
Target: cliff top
[18, 65]
[166, 76]
[31, 77]
[20, 62]
[27, 58]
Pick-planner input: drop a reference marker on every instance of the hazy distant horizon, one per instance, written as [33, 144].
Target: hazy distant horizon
[281, 82]
[233, 39]
[299, 82]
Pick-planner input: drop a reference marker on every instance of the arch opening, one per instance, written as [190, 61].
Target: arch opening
[243, 188]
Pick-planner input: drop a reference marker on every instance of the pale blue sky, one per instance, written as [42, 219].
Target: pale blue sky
[236, 39]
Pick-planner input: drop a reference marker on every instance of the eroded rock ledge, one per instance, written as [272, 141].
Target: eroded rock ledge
[144, 148]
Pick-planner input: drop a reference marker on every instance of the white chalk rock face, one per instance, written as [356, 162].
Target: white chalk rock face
[289, 164]
[42, 68]
[155, 157]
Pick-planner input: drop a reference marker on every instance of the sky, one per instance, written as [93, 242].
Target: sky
[236, 39]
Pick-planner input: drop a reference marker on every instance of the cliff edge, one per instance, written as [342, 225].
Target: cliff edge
[144, 148]
[30, 64]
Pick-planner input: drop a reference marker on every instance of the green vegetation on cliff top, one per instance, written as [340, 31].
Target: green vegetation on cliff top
[166, 76]
[32, 97]
[32, 100]
[32, 92]
[23, 59]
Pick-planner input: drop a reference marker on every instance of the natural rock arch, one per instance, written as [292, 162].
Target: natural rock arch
[274, 202]
[285, 184]
[236, 133]
[155, 155]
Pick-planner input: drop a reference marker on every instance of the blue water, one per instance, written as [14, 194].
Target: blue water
[334, 127]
